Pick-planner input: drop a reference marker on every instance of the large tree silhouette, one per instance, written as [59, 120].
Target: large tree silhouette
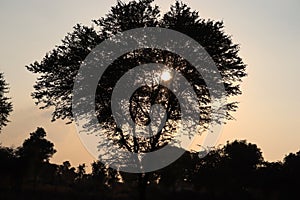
[5, 103]
[60, 66]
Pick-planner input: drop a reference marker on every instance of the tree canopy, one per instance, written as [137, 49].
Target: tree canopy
[37, 148]
[59, 67]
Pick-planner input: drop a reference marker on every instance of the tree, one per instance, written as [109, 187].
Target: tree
[37, 148]
[207, 173]
[66, 173]
[34, 154]
[239, 165]
[5, 103]
[104, 175]
[182, 171]
[291, 168]
[241, 155]
[7, 165]
[81, 171]
[60, 66]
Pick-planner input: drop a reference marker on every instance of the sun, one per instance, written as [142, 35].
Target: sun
[166, 76]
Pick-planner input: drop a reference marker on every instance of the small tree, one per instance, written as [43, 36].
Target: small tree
[37, 148]
[5, 103]
[34, 153]
[239, 164]
[104, 175]
[242, 156]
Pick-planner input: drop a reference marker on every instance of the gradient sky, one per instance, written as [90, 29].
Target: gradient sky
[268, 32]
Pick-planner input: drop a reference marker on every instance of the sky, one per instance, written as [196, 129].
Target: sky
[268, 33]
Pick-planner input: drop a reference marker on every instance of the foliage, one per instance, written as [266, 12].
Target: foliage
[59, 67]
[222, 174]
[37, 148]
[5, 103]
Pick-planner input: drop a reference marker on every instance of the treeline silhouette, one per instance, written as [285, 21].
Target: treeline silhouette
[236, 170]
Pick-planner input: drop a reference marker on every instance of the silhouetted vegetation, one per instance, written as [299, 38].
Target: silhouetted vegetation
[58, 69]
[5, 103]
[236, 170]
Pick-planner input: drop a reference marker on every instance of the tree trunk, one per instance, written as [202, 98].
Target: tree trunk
[142, 181]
